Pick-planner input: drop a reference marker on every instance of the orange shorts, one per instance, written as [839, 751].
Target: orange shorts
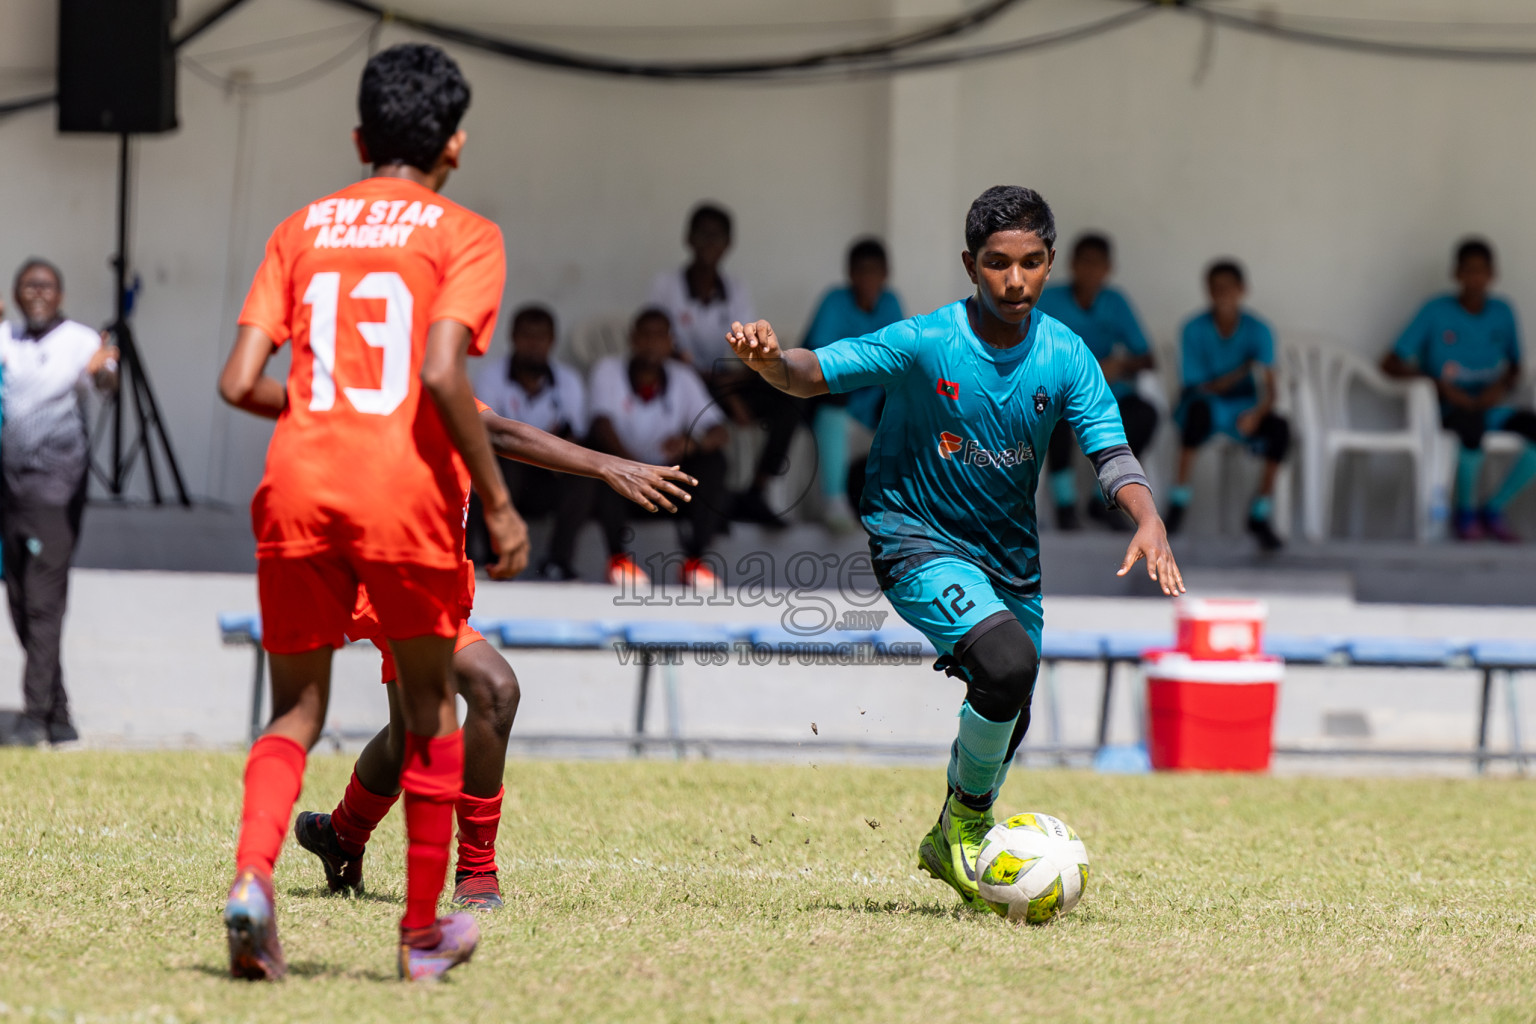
[308, 603]
[389, 674]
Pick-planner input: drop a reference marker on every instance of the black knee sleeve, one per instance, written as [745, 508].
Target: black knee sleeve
[1274, 436]
[1000, 663]
[1198, 423]
[1468, 425]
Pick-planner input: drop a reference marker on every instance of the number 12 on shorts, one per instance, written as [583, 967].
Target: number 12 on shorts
[955, 593]
[392, 335]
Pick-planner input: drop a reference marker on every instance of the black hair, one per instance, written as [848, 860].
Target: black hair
[867, 250]
[1008, 208]
[32, 263]
[707, 212]
[652, 313]
[531, 314]
[1226, 265]
[1470, 247]
[1093, 241]
[409, 104]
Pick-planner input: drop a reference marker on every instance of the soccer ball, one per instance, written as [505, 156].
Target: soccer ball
[1032, 867]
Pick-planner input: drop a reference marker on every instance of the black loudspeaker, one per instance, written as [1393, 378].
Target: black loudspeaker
[117, 66]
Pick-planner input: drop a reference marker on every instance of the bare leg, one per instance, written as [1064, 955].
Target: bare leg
[378, 766]
[490, 688]
[426, 685]
[1186, 464]
[1267, 481]
[301, 692]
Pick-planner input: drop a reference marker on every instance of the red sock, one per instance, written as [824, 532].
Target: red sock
[274, 773]
[432, 778]
[479, 817]
[358, 814]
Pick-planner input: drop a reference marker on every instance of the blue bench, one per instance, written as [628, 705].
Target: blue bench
[664, 641]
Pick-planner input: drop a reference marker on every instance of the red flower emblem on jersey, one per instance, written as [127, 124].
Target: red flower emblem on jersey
[949, 444]
[949, 388]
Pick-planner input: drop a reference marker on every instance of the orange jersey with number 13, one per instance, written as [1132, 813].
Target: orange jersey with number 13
[360, 461]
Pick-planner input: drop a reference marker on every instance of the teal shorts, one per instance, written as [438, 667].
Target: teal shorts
[948, 597]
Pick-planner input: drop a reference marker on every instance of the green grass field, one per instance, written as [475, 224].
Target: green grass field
[700, 892]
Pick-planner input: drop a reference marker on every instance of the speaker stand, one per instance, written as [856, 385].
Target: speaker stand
[133, 382]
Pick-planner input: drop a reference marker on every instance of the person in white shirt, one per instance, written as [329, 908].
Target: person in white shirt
[653, 408]
[530, 387]
[48, 367]
[702, 302]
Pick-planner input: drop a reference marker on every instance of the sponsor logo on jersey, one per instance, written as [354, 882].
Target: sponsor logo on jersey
[949, 388]
[954, 448]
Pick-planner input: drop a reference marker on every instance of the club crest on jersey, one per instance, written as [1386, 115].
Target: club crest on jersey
[949, 388]
[954, 448]
[1042, 401]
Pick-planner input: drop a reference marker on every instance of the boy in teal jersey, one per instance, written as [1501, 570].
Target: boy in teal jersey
[862, 306]
[1102, 316]
[1469, 345]
[973, 392]
[1228, 359]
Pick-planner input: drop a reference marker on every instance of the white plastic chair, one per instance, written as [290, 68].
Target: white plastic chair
[1333, 373]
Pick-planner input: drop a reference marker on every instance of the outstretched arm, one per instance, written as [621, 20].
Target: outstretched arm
[1151, 540]
[796, 372]
[649, 487]
[446, 384]
[244, 383]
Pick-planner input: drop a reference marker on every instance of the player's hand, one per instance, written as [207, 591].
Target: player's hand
[1248, 422]
[755, 344]
[650, 487]
[509, 539]
[1151, 543]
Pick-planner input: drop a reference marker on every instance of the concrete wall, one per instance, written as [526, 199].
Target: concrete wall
[1341, 180]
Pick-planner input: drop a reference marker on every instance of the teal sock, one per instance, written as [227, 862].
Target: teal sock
[1469, 463]
[1520, 474]
[1002, 771]
[1260, 508]
[830, 428]
[978, 752]
[1064, 486]
[1179, 495]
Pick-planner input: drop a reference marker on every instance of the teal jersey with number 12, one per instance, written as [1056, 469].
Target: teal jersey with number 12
[956, 459]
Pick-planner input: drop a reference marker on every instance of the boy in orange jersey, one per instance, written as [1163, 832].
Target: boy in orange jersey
[384, 288]
[483, 678]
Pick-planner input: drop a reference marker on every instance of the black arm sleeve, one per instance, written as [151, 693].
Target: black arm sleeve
[1116, 467]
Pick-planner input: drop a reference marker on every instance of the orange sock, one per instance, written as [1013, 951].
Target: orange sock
[274, 774]
[358, 814]
[431, 780]
[479, 818]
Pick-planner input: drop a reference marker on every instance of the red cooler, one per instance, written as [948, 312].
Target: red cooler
[1219, 627]
[1210, 715]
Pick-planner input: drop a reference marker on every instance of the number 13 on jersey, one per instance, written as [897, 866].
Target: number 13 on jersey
[392, 335]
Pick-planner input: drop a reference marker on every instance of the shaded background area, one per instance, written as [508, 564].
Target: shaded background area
[1341, 178]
